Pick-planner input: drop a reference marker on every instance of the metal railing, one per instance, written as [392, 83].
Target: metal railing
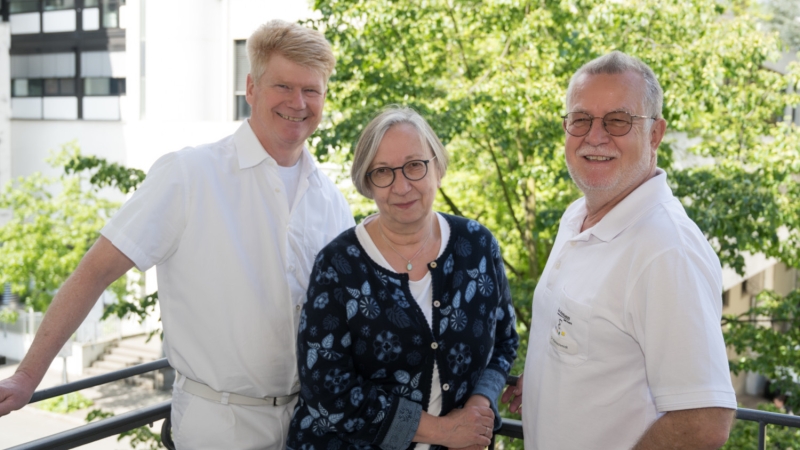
[134, 419]
[112, 425]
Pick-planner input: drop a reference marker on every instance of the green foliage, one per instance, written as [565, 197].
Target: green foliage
[140, 438]
[8, 315]
[744, 434]
[766, 338]
[53, 224]
[74, 401]
[103, 173]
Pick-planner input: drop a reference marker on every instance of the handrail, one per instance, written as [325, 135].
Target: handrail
[127, 372]
[134, 419]
[99, 430]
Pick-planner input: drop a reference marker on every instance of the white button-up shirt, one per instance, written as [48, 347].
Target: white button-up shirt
[233, 260]
[625, 325]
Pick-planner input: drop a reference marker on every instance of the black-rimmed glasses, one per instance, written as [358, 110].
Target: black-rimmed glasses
[413, 170]
[616, 123]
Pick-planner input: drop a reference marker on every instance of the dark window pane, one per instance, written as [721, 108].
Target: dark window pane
[35, 88]
[89, 3]
[51, 86]
[66, 86]
[118, 86]
[242, 107]
[50, 5]
[20, 6]
[96, 86]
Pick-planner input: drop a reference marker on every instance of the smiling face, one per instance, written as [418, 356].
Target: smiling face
[606, 167]
[404, 203]
[286, 105]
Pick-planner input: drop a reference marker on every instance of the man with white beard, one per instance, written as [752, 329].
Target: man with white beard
[625, 348]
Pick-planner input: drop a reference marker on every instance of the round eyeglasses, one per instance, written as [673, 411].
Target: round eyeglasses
[616, 123]
[413, 170]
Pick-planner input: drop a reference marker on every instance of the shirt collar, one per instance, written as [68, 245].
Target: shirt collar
[251, 153]
[652, 192]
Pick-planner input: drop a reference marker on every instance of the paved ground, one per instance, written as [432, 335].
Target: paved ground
[31, 423]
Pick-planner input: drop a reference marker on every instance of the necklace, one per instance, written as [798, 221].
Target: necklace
[408, 266]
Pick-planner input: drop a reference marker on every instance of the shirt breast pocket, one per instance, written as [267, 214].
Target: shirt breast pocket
[569, 335]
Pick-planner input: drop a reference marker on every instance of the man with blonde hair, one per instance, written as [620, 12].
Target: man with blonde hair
[625, 347]
[233, 228]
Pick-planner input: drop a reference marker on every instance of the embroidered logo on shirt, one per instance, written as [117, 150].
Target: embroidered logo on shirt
[560, 335]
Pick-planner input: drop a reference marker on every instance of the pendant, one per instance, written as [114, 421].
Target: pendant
[408, 266]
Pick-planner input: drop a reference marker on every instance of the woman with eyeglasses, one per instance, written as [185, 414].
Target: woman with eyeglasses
[408, 330]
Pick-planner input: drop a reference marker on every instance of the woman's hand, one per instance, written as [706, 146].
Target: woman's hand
[468, 426]
[478, 400]
[461, 428]
[513, 394]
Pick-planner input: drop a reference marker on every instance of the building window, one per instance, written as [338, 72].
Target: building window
[23, 6]
[241, 69]
[103, 86]
[26, 88]
[52, 5]
[110, 11]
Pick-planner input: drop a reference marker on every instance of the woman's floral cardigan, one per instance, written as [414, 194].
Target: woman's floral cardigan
[365, 351]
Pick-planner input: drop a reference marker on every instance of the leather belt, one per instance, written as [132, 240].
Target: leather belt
[204, 391]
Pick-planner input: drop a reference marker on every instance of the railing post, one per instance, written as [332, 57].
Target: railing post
[762, 435]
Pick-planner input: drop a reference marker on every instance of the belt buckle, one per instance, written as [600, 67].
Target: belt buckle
[274, 400]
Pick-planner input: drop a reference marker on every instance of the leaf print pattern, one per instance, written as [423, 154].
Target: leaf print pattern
[463, 247]
[364, 344]
[341, 264]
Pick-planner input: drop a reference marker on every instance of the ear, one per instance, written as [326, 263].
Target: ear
[249, 93]
[657, 132]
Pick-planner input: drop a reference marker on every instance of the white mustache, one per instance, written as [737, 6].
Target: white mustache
[588, 150]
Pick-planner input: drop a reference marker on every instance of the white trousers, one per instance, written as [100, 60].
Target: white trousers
[199, 424]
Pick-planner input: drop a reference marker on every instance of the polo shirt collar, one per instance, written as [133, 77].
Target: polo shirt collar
[251, 153]
[651, 193]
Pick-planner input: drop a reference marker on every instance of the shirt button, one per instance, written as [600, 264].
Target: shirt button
[436, 303]
[445, 387]
[572, 243]
[558, 264]
[297, 307]
[434, 345]
[277, 190]
[291, 268]
[433, 265]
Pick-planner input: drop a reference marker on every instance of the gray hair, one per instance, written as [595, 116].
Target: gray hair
[371, 138]
[617, 62]
[296, 43]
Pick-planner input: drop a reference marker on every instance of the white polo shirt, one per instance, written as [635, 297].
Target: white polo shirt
[232, 261]
[625, 326]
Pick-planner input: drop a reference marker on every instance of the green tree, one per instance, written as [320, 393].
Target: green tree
[53, 223]
[491, 78]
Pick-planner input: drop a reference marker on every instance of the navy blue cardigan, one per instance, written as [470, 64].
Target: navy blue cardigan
[365, 351]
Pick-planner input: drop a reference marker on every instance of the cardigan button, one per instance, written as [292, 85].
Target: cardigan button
[445, 387]
[433, 265]
[436, 303]
[434, 345]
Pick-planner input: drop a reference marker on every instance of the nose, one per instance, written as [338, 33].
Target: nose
[296, 99]
[401, 184]
[597, 133]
